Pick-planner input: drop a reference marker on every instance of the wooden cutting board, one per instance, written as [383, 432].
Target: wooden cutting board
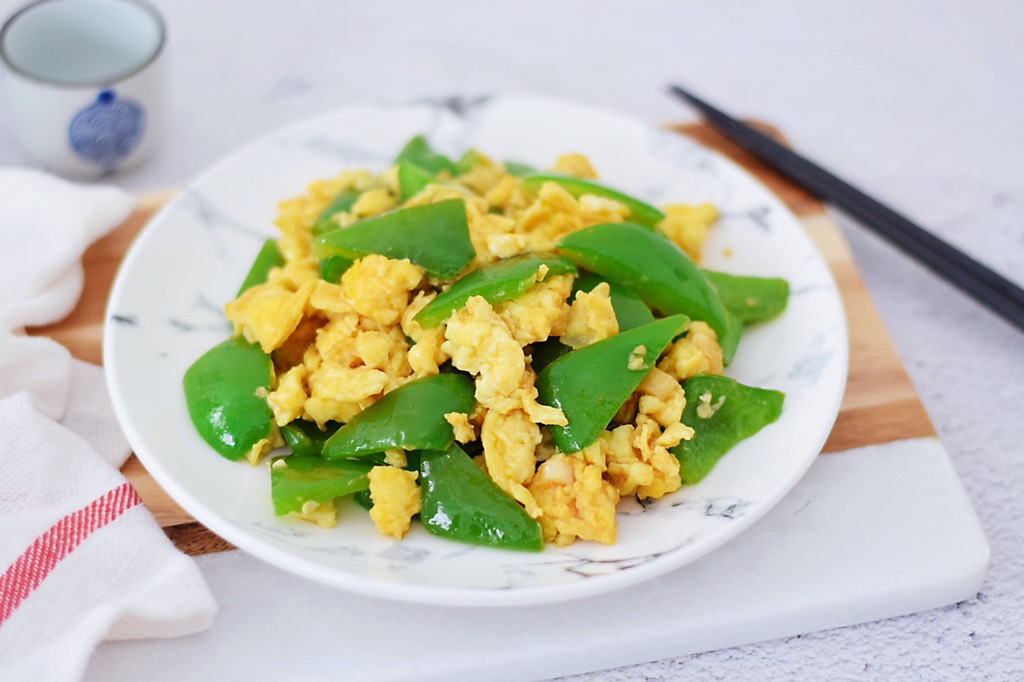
[880, 404]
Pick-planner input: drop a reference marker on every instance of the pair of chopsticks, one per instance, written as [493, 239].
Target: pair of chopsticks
[985, 286]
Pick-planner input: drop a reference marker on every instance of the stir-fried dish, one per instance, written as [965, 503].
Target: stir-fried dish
[503, 352]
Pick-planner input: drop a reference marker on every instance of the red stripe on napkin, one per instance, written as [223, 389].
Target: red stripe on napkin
[32, 567]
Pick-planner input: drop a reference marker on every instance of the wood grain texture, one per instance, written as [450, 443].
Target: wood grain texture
[880, 404]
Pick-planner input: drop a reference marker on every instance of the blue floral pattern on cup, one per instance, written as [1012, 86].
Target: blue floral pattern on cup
[108, 130]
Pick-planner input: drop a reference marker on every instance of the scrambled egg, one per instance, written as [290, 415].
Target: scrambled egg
[688, 226]
[396, 499]
[379, 287]
[267, 314]
[696, 353]
[575, 501]
[591, 318]
[339, 347]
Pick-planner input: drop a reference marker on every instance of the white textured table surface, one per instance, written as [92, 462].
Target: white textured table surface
[920, 104]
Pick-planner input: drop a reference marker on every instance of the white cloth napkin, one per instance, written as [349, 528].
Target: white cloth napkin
[80, 558]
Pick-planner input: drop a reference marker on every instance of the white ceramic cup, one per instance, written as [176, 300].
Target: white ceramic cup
[84, 83]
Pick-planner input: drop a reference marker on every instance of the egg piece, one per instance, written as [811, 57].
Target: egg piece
[625, 469]
[576, 165]
[462, 428]
[507, 195]
[336, 340]
[591, 318]
[323, 514]
[396, 457]
[267, 314]
[330, 298]
[575, 501]
[264, 445]
[540, 312]
[663, 464]
[688, 226]
[372, 202]
[479, 342]
[426, 355]
[484, 175]
[661, 397]
[492, 235]
[336, 381]
[322, 410]
[509, 442]
[541, 414]
[288, 399]
[396, 499]
[639, 462]
[410, 327]
[295, 273]
[379, 286]
[595, 210]
[294, 218]
[696, 353]
[554, 214]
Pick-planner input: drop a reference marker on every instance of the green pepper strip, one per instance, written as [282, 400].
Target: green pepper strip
[504, 280]
[657, 270]
[545, 352]
[433, 236]
[418, 152]
[325, 222]
[223, 389]
[333, 267]
[410, 417]
[412, 179]
[305, 438]
[467, 162]
[591, 384]
[751, 299]
[520, 170]
[639, 211]
[296, 480]
[736, 412]
[267, 259]
[462, 503]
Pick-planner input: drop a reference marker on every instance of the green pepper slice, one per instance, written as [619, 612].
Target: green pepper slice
[433, 236]
[639, 211]
[520, 170]
[462, 503]
[657, 270]
[503, 280]
[750, 299]
[223, 389]
[545, 352]
[467, 162]
[591, 384]
[333, 267]
[723, 412]
[305, 438]
[268, 258]
[296, 480]
[412, 179]
[410, 417]
[364, 499]
[343, 202]
[418, 152]
[630, 310]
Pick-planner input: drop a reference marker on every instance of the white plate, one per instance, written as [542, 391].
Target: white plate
[166, 310]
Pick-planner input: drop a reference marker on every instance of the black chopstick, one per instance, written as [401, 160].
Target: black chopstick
[987, 287]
